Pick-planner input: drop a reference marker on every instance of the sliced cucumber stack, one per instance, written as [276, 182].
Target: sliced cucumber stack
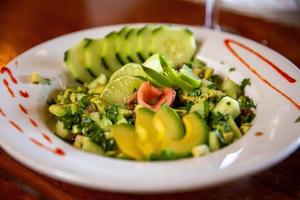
[92, 57]
[74, 60]
[178, 45]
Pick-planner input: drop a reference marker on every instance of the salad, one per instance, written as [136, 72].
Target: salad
[142, 95]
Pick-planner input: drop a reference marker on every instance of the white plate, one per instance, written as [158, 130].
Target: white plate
[275, 120]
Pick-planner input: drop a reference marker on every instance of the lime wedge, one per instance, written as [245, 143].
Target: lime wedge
[119, 90]
[130, 69]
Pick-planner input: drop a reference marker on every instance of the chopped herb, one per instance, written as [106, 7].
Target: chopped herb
[246, 116]
[244, 83]
[195, 92]
[246, 103]
[231, 69]
[217, 79]
[297, 120]
[112, 112]
[212, 86]
[188, 106]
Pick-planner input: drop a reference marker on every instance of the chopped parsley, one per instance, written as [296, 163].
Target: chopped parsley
[244, 83]
[195, 92]
[231, 69]
[212, 86]
[246, 103]
[297, 120]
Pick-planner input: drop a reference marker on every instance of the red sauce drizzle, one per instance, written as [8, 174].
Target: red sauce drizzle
[46, 137]
[275, 67]
[16, 126]
[2, 113]
[258, 134]
[57, 151]
[23, 109]
[8, 87]
[33, 122]
[7, 70]
[227, 43]
[24, 93]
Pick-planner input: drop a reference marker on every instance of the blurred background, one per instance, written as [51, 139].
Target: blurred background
[25, 23]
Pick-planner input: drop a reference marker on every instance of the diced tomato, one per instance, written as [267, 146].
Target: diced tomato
[152, 97]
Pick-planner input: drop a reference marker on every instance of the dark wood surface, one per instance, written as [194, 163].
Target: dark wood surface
[25, 23]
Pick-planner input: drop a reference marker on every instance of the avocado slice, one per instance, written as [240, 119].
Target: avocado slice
[186, 74]
[153, 69]
[196, 133]
[149, 138]
[168, 123]
[174, 76]
[127, 141]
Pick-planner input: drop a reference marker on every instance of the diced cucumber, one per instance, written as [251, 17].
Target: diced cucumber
[202, 107]
[213, 141]
[74, 60]
[178, 45]
[200, 150]
[61, 131]
[228, 105]
[234, 128]
[92, 58]
[86, 144]
[228, 137]
[231, 88]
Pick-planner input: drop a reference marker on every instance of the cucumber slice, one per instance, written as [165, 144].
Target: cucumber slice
[145, 38]
[109, 56]
[121, 45]
[178, 45]
[74, 60]
[132, 46]
[92, 54]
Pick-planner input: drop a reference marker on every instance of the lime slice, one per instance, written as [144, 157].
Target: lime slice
[130, 69]
[119, 90]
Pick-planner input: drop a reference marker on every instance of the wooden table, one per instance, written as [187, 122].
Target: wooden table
[24, 24]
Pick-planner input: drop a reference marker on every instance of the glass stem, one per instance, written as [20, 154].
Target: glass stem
[212, 14]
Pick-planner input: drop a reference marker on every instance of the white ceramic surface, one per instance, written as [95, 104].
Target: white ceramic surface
[275, 119]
